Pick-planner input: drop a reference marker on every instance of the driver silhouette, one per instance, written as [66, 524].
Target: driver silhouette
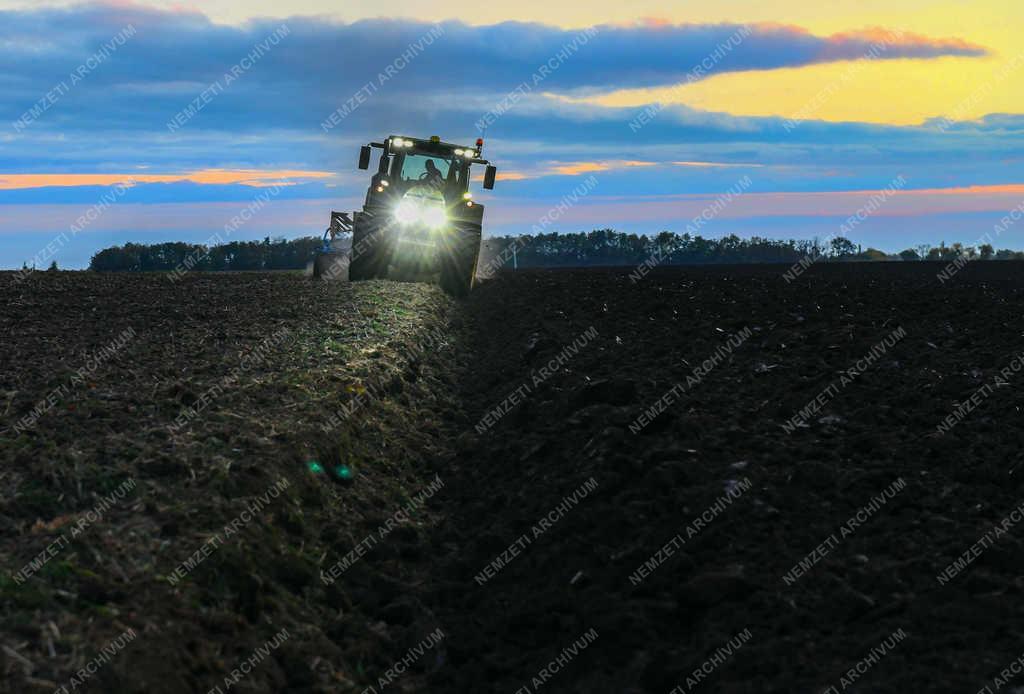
[433, 175]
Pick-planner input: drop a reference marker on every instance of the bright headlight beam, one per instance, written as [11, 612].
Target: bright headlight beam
[407, 212]
[434, 217]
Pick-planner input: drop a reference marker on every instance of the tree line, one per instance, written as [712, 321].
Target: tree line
[596, 248]
[277, 254]
[609, 247]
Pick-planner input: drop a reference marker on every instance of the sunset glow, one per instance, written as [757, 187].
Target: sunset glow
[251, 178]
[817, 104]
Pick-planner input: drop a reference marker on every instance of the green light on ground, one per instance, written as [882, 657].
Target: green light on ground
[343, 472]
[315, 467]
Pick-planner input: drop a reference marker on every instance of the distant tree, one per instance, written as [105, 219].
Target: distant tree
[946, 253]
[873, 254]
[909, 254]
[923, 250]
[958, 249]
[116, 259]
[842, 247]
[986, 251]
[53, 267]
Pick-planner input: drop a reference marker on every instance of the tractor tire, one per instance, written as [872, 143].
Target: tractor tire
[364, 263]
[458, 269]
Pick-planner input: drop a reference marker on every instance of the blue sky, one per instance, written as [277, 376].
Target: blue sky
[204, 111]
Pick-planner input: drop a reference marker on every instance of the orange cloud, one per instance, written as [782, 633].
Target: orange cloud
[1003, 189]
[1006, 188]
[246, 177]
[879, 35]
[582, 167]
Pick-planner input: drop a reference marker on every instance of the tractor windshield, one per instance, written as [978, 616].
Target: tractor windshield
[421, 168]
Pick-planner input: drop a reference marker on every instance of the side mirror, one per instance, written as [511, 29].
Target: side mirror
[489, 176]
[364, 157]
[385, 162]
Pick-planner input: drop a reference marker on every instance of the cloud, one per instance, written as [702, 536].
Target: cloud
[1002, 123]
[251, 178]
[173, 58]
[716, 165]
[269, 117]
[888, 43]
[581, 167]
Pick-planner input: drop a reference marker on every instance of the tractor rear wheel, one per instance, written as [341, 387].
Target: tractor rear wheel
[458, 269]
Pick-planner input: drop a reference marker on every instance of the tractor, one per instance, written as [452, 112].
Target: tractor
[419, 221]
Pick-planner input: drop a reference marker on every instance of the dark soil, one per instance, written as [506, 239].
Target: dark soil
[309, 350]
[500, 399]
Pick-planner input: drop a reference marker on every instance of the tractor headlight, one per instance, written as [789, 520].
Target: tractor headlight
[435, 217]
[411, 211]
[407, 212]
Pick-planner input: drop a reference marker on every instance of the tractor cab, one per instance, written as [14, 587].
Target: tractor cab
[406, 164]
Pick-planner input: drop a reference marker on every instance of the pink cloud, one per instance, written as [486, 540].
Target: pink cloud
[245, 177]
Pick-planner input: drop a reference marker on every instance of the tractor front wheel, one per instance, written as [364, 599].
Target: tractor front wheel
[364, 257]
[458, 270]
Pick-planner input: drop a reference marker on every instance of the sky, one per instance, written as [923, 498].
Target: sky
[894, 123]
